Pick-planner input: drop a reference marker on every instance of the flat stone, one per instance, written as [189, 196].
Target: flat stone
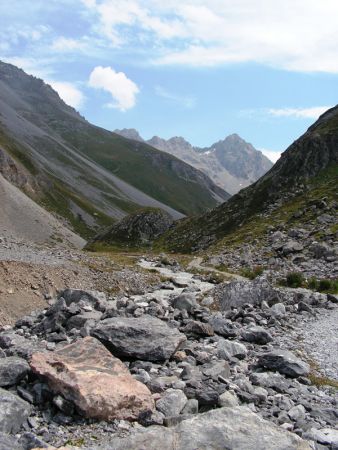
[99, 384]
[284, 362]
[232, 348]
[146, 338]
[196, 328]
[235, 428]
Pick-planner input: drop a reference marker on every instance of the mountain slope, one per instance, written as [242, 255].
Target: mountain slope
[22, 218]
[88, 175]
[307, 171]
[231, 163]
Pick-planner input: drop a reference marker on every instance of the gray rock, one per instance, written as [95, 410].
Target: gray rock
[256, 335]
[238, 293]
[278, 310]
[13, 412]
[191, 407]
[297, 412]
[228, 400]
[284, 362]
[12, 370]
[292, 247]
[9, 443]
[328, 436]
[185, 301]
[226, 428]
[146, 337]
[216, 369]
[223, 327]
[232, 348]
[96, 299]
[172, 403]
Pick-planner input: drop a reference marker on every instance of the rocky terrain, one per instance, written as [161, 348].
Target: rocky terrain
[231, 163]
[184, 364]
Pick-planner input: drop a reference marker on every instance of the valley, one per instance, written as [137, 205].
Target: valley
[143, 307]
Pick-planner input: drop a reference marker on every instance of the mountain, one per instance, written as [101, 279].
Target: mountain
[306, 175]
[89, 176]
[231, 163]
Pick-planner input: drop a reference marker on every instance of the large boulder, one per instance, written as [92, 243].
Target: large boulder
[146, 337]
[13, 412]
[284, 362]
[8, 442]
[99, 384]
[237, 293]
[226, 428]
[12, 370]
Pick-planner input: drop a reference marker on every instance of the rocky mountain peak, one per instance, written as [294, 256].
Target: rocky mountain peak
[130, 133]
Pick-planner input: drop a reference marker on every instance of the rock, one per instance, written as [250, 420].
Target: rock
[232, 348]
[278, 310]
[226, 428]
[228, 400]
[186, 302]
[256, 335]
[195, 328]
[12, 370]
[31, 441]
[284, 362]
[237, 293]
[99, 384]
[292, 247]
[216, 369]
[13, 412]
[328, 436]
[146, 338]
[94, 298]
[8, 442]
[332, 298]
[172, 402]
[191, 407]
[223, 327]
[297, 412]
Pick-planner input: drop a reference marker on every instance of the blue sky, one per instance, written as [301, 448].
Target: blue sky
[264, 69]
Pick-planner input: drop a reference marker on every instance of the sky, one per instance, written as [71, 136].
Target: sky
[264, 69]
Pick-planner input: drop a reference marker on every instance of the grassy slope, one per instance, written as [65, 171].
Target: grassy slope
[230, 232]
[149, 170]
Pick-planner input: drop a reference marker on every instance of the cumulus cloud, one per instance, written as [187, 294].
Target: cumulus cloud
[288, 35]
[121, 88]
[301, 113]
[69, 93]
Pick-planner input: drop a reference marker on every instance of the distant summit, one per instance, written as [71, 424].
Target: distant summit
[231, 163]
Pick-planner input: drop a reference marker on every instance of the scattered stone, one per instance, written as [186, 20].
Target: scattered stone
[195, 328]
[172, 402]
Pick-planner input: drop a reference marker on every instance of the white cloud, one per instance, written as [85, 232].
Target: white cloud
[293, 35]
[271, 154]
[122, 89]
[186, 101]
[301, 113]
[69, 93]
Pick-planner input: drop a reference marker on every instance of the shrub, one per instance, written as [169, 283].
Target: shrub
[252, 273]
[294, 279]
